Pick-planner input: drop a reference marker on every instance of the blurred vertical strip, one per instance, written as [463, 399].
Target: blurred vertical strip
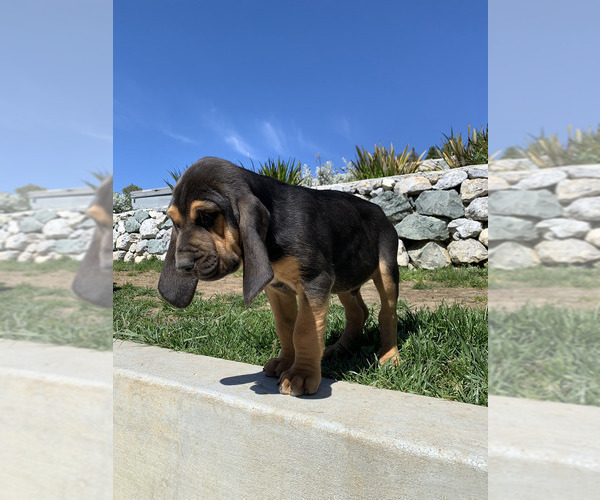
[56, 249]
[544, 250]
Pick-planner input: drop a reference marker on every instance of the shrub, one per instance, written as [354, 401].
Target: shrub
[325, 175]
[121, 203]
[13, 203]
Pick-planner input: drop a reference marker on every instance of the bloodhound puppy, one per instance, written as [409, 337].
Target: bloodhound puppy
[299, 245]
[93, 281]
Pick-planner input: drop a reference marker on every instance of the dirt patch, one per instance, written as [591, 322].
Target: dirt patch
[430, 297]
[55, 279]
[513, 299]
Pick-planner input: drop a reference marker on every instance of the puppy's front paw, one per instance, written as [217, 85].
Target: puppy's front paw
[299, 381]
[276, 366]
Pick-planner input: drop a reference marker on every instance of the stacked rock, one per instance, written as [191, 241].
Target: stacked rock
[547, 216]
[440, 218]
[141, 234]
[42, 235]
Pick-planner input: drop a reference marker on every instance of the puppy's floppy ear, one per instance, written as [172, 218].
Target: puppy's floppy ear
[254, 221]
[176, 290]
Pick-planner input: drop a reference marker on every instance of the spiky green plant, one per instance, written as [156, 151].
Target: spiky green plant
[175, 175]
[286, 171]
[384, 163]
[581, 148]
[458, 153]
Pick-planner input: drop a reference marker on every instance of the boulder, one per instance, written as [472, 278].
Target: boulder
[429, 255]
[57, 228]
[402, 256]
[584, 209]
[477, 173]
[473, 188]
[157, 246]
[132, 225]
[541, 179]
[551, 229]
[467, 251]
[478, 209]
[509, 256]
[123, 242]
[573, 189]
[394, 206]
[451, 179]
[17, 241]
[421, 227]
[440, 203]
[68, 246]
[141, 215]
[569, 251]
[540, 204]
[9, 255]
[412, 185]
[593, 237]
[30, 225]
[464, 228]
[496, 183]
[512, 228]
[584, 171]
[148, 229]
[483, 237]
[44, 216]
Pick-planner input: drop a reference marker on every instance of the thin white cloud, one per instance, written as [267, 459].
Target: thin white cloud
[344, 128]
[178, 137]
[237, 143]
[275, 140]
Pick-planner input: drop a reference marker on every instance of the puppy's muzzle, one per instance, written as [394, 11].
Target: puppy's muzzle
[185, 265]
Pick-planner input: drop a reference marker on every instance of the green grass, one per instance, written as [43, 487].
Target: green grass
[152, 264]
[547, 353]
[50, 315]
[546, 276]
[467, 276]
[443, 352]
[62, 264]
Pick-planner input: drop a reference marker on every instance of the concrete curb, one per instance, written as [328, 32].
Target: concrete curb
[540, 449]
[190, 426]
[55, 422]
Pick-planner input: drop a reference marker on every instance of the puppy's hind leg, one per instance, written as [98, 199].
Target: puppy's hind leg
[386, 281]
[356, 314]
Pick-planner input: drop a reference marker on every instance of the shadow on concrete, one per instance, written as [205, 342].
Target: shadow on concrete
[268, 385]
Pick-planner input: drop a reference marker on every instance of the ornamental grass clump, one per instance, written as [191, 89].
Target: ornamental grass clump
[458, 153]
[581, 148]
[384, 163]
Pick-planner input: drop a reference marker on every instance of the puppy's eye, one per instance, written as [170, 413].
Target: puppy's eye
[206, 219]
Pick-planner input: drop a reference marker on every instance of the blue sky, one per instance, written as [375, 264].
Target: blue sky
[543, 69]
[55, 92]
[278, 78]
[239, 79]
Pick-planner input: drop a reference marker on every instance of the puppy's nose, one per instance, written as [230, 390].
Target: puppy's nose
[185, 265]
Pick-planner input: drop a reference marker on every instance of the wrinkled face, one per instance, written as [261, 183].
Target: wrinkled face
[208, 240]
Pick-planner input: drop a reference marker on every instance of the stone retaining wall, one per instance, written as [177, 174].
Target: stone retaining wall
[547, 216]
[440, 218]
[41, 235]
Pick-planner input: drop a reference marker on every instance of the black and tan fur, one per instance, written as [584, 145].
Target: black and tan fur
[93, 281]
[299, 245]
